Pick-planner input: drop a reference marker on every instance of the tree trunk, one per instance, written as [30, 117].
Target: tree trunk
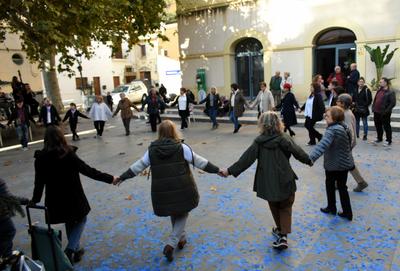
[51, 84]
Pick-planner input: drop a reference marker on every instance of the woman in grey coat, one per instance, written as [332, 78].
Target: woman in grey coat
[338, 161]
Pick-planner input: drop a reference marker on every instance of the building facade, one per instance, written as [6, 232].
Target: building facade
[246, 41]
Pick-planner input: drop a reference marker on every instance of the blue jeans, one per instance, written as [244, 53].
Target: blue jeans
[213, 115]
[22, 133]
[365, 125]
[74, 231]
[234, 119]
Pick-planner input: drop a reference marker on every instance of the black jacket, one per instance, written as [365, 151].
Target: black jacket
[14, 116]
[318, 107]
[65, 198]
[73, 117]
[173, 189]
[189, 100]
[388, 103]
[153, 107]
[288, 105]
[362, 100]
[9, 204]
[207, 100]
[351, 82]
[55, 118]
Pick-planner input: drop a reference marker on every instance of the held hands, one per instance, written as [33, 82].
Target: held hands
[116, 180]
[223, 172]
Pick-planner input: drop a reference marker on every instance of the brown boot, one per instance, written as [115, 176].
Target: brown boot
[168, 253]
[182, 244]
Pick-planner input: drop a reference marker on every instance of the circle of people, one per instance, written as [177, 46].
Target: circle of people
[173, 189]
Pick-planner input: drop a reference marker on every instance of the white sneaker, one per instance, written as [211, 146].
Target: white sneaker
[25, 149]
[387, 144]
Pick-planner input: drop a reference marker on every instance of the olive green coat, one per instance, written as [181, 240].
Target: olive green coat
[275, 178]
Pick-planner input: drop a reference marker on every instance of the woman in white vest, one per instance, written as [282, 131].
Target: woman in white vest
[99, 113]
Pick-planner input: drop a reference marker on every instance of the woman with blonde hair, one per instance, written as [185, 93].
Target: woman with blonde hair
[173, 188]
[99, 113]
[275, 179]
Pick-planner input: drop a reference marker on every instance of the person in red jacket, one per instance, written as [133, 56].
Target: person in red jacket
[338, 75]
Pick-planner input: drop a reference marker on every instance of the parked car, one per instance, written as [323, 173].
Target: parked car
[135, 91]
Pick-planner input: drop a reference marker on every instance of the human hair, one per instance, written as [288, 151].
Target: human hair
[361, 78]
[99, 98]
[72, 104]
[337, 113]
[270, 124]
[213, 88]
[183, 90]
[54, 140]
[315, 83]
[234, 86]
[387, 81]
[263, 84]
[168, 130]
[345, 99]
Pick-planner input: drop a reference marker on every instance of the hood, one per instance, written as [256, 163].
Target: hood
[165, 148]
[269, 141]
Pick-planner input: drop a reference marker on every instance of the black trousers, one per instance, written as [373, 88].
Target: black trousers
[99, 125]
[73, 126]
[127, 123]
[184, 115]
[153, 121]
[340, 177]
[382, 122]
[7, 233]
[312, 133]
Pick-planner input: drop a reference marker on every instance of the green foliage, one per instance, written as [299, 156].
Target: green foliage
[380, 59]
[48, 27]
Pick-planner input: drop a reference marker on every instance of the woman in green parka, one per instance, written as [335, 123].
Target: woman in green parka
[275, 179]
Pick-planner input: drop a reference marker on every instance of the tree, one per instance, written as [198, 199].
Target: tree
[48, 28]
[380, 59]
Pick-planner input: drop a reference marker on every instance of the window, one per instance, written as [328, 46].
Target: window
[165, 52]
[128, 69]
[143, 50]
[17, 59]
[117, 51]
[336, 36]
[78, 83]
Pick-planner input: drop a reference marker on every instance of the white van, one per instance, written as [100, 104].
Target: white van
[135, 91]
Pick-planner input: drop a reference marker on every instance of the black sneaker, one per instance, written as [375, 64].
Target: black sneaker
[365, 137]
[360, 187]
[240, 125]
[276, 232]
[376, 141]
[328, 211]
[347, 216]
[311, 143]
[280, 243]
[70, 255]
[168, 253]
[78, 255]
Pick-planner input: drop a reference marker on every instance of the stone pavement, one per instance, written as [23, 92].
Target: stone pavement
[230, 230]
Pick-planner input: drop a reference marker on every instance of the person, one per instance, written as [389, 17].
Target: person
[173, 189]
[183, 101]
[213, 102]
[286, 79]
[163, 92]
[57, 169]
[384, 102]
[154, 104]
[124, 105]
[109, 101]
[345, 101]
[287, 106]
[352, 80]
[264, 100]
[29, 99]
[99, 113]
[190, 94]
[48, 114]
[275, 87]
[337, 75]
[9, 206]
[336, 148]
[5, 103]
[236, 106]
[335, 90]
[17, 88]
[314, 109]
[362, 100]
[275, 180]
[21, 117]
[72, 115]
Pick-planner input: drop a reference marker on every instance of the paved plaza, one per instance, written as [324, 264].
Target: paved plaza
[231, 228]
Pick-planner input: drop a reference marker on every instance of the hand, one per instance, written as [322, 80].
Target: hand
[116, 181]
[223, 172]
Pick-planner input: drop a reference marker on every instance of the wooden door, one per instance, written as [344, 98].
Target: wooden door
[96, 85]
[116, 81]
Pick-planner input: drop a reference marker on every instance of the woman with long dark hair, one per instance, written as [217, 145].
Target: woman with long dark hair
[314, 109]
[57, 168]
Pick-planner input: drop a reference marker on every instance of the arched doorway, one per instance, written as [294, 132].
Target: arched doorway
[334, 47]
[249, 65]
